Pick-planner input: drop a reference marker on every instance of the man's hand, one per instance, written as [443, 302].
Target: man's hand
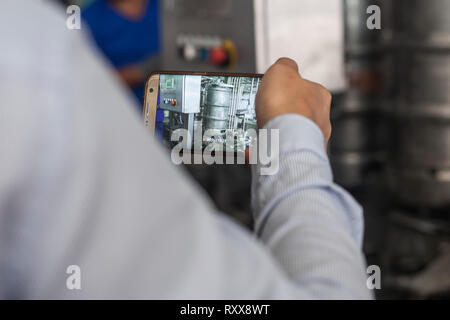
[131, 75]
[284, 91]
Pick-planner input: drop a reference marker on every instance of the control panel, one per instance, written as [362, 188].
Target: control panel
[209, 35]
[180, 93]
[213, 50]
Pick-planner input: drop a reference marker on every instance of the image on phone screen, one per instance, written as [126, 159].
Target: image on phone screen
[218, 108]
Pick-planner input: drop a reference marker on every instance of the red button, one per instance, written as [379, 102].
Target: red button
[218, 56]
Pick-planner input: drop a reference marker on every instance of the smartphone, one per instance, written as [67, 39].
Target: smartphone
[212, 109]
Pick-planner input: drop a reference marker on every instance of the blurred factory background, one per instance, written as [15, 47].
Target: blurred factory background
[391, 114]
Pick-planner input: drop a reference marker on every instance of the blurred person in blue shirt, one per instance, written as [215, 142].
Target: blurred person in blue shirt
[127, 32]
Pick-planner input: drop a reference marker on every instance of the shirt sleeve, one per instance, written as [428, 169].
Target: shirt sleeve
[82, 183]
[311, 226]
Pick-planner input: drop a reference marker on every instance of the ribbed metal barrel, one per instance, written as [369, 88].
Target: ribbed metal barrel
[360, 135]
[359, 143]
[218, 104]
[360, 124]
[426, 78]
[420, 159]
[422, 23]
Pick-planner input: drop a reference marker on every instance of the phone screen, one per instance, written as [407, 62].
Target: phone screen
[212, 109]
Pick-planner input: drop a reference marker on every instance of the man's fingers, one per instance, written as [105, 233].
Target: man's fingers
[289, 63]
[282, 67]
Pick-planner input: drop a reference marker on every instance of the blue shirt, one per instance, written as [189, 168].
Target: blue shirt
[125, 42]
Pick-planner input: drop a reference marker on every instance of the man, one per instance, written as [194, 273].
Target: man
[127, 32]
[74, 191]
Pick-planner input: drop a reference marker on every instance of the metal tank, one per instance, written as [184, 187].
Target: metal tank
[360, 124]
[423, 23]
[218, 104]
[420, 160]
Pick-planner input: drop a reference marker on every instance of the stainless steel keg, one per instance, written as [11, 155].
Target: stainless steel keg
[420, 159]
[218, 104]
